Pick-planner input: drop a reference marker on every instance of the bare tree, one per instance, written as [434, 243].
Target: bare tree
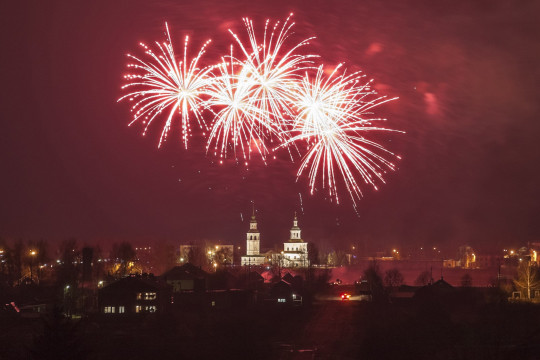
[527, 278]
[466, 280]
[124, 254]
[393, 278]
[373, 276]
[17, 256]
[196, 256]
[423, 279]
[313, 253]
[223, 256]
[338, 258]
[68, 271]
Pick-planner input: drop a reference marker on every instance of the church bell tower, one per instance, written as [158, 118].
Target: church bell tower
[253, 237]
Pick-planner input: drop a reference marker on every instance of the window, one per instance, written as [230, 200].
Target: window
[139, 296]
[281, 300]
[108, 309]
[146, 308]
[150, 296]
[121, 309]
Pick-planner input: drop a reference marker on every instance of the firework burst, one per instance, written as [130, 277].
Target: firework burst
[255, 99]
[332, 114]
[165, 85]
[273, 93]
[237, 120]
[273, 70]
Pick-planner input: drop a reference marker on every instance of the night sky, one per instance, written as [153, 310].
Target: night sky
[466, 74]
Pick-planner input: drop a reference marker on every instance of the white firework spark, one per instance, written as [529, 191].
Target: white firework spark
[273, 70]
[332, 114]
[163, 84]
[237, 120]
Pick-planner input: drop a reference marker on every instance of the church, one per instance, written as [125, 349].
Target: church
[253, 246]
[294, 254]
[295, 251]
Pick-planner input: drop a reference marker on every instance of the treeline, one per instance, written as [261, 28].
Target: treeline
[70, 261]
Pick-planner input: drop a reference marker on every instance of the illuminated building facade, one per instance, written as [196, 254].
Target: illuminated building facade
[295, 251]
[253, 245]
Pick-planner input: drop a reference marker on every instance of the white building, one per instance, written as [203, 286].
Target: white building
[295, 251]
[253, 256]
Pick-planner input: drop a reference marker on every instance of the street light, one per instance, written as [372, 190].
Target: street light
[32, 255]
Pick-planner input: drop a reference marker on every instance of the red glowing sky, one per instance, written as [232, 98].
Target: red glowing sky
[465, 74]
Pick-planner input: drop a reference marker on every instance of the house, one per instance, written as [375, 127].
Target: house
[222, 280]
[187, 277]
[440, 289]
[134, 295]
[282, 293]
[251, 280]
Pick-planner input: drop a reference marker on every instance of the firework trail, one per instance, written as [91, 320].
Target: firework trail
[256, 98]
[236, 122]
[331, 117]
[273, 71]
[163, 84]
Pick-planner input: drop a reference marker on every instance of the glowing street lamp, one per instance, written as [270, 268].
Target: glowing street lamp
[32, 255]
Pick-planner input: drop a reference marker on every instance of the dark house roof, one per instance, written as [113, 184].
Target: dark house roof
[438, 288]
[288, 278]
[134, 284]
[281, 288]
[255, 276]
[184, 272]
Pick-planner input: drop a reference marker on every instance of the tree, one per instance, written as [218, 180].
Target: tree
[59, 339]
[313, 254]
[17, 259]
[373, 276]
[68, 271]
[196, 256]
[68, 274]
[393, 278]
[223, 256]
[423, 279]
[165, 257]
[527, 279]
[466, 280]
[338, 258]
[124, 254]
[42, 257]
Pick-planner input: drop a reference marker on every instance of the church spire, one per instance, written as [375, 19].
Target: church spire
[295, 230]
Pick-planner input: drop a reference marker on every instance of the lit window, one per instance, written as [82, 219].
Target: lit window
[150, 296]
[121, 309]
[138, 308]
[139, 296]
[281, 300]
[108, 309]
[151, 308]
